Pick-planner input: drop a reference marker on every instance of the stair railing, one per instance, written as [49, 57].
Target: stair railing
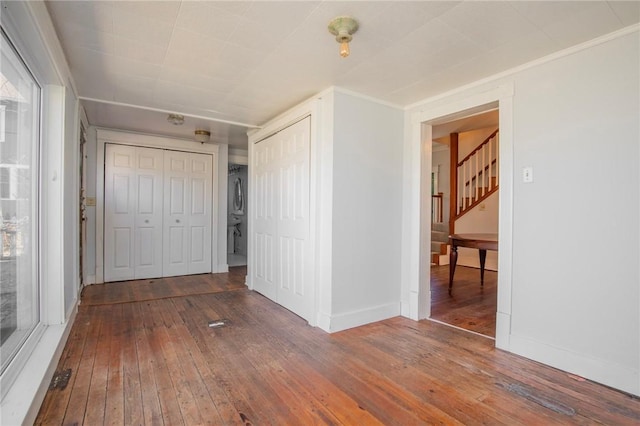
[477, 174]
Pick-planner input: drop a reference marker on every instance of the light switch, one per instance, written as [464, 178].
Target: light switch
[527, 174]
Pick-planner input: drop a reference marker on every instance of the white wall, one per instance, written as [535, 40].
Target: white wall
[468, 141]
[367, 209]
[480, 221]
[575, 121]
[440, 157]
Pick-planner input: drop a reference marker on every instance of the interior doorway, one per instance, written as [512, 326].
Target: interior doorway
[237, 219]
[464, 200]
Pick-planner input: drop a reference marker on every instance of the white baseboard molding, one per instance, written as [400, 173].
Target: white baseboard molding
[222, 268]
[598, 370]
[89, 279]
[22, 403]
[360, 317]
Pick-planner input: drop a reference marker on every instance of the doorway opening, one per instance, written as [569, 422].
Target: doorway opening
[237, 215]
[464, 201]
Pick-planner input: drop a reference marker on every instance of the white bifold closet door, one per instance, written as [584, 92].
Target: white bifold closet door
[281, 236]
[133, 212]
[157, 213]
[187, 208]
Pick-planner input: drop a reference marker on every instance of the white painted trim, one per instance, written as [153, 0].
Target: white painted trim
[368, 98]
[357, 318]
[532, 64]
[104, 136]
[606, 372]
[418, 306]
[221, 213]
[148, 108]
[52, 208]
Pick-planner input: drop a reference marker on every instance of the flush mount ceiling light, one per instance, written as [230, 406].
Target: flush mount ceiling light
[343, 28]
[202, 136]
[176, 119]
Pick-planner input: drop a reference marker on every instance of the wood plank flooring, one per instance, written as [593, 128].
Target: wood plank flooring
[470, 305]
[158, 362]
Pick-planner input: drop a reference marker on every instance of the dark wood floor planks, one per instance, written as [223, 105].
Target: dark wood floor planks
[470, 305]
[156, 361]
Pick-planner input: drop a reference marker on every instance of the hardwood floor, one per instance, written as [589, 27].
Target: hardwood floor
[470, 306]
[158, 362]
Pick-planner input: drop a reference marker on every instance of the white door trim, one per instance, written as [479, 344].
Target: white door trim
[419, 224]
[111, 136]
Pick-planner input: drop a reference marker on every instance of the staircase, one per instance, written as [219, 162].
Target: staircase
[440, 243]
[476, 175]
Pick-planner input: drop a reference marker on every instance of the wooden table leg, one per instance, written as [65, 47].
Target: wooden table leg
[483, 257]
[453, 259]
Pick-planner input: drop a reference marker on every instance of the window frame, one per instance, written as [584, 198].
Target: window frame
[26, 344]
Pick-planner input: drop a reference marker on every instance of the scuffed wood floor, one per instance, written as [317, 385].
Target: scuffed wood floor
[158, 362]
[470, 305]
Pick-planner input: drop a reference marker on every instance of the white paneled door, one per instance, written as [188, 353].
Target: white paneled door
[281, 219]
[157, 213]
[133, 212]
[187, 207]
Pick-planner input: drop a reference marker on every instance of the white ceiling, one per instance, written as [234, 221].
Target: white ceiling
[229, 65]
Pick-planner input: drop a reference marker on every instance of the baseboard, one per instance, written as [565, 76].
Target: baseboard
[89, 279]
[598, 370]
[360, 317]
[22, 403]
[222, 268]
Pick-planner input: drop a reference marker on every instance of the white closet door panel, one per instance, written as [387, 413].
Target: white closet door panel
[187, 213]
[122, 242]
[176, 201]
[119, 214]
[264, 220]
[200, 215]
[295, 284]
[148, 218]
[133, 212]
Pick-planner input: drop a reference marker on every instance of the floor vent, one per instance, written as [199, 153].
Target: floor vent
[60, 379]
[218, 323]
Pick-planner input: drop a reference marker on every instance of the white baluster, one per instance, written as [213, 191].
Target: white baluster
[497, 156]
[489, 174]
[475, 189]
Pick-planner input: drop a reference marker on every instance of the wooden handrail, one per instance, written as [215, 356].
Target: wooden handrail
[478, 147]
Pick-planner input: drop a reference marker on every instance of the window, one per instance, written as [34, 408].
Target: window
[19, 183]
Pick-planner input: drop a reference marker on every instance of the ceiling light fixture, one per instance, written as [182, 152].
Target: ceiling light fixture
[343, 28]
[202, 136]
[176, 119]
